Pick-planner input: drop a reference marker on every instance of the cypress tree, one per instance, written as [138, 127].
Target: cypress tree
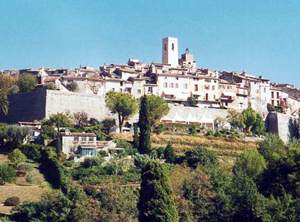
[135, 136]
[145, 129]
[156, 203]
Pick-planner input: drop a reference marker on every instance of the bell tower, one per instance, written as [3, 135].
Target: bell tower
[170, 51]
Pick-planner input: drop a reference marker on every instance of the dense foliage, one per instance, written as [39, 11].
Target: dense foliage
[249, 120]
[156, 203]
[16, 157]
[59, 121]
[158, 108]
[26, 83]
[7, 173]
[123, 104]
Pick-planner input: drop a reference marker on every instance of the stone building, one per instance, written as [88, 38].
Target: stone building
[170, 51]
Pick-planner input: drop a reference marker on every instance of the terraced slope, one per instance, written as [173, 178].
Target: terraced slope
[227, 149]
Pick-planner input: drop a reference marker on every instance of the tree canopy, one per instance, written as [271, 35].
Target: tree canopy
[253, 121]
[26, 83]
[123, 104]
[59, 120]
[158, 108]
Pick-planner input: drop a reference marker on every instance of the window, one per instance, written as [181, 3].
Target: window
[150, 90]
[166, 85]
[277, 95]
[83, 139]
[185, 85]
[139, 91]
[206, 96]
[196, 87]
[91, 139]
[213, 88]
[176, 85]
[165, 47]
[272, 95]
[172, 85]
[173, 47]
[76, 138]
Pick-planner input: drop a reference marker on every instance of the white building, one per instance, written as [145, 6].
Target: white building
[82, 145]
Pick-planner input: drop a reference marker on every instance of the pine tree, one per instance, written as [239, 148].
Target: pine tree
[156, 203]
[145, 128]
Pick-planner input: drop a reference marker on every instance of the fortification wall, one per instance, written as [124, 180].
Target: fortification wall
[58, 101]
[26, 106]
[41, 103]
[285, 126]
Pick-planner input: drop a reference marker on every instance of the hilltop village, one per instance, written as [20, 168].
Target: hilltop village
[176, 79]
[165, 141]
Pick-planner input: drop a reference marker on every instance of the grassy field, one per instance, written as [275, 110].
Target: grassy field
[25, 193]
[227, 149]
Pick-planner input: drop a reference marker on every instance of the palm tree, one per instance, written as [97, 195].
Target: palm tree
[3, 102]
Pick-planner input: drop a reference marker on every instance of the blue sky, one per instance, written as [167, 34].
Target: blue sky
[260, 37]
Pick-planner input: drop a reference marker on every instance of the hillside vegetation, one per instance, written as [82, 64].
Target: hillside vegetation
[227, 149]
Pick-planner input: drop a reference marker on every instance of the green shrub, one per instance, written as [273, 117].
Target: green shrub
[209, 133]
[90, 162]
[159, 129]
[34, 178]
[192, 130]
[200, 156]
[217, 133]
[7, 173]
[12, 201]
[32, 151]
[169, 154]
[17, 157]
[27, 167]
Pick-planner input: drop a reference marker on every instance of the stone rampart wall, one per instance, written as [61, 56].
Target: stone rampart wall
[26, 106]
[41, 103]
[94, 106]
